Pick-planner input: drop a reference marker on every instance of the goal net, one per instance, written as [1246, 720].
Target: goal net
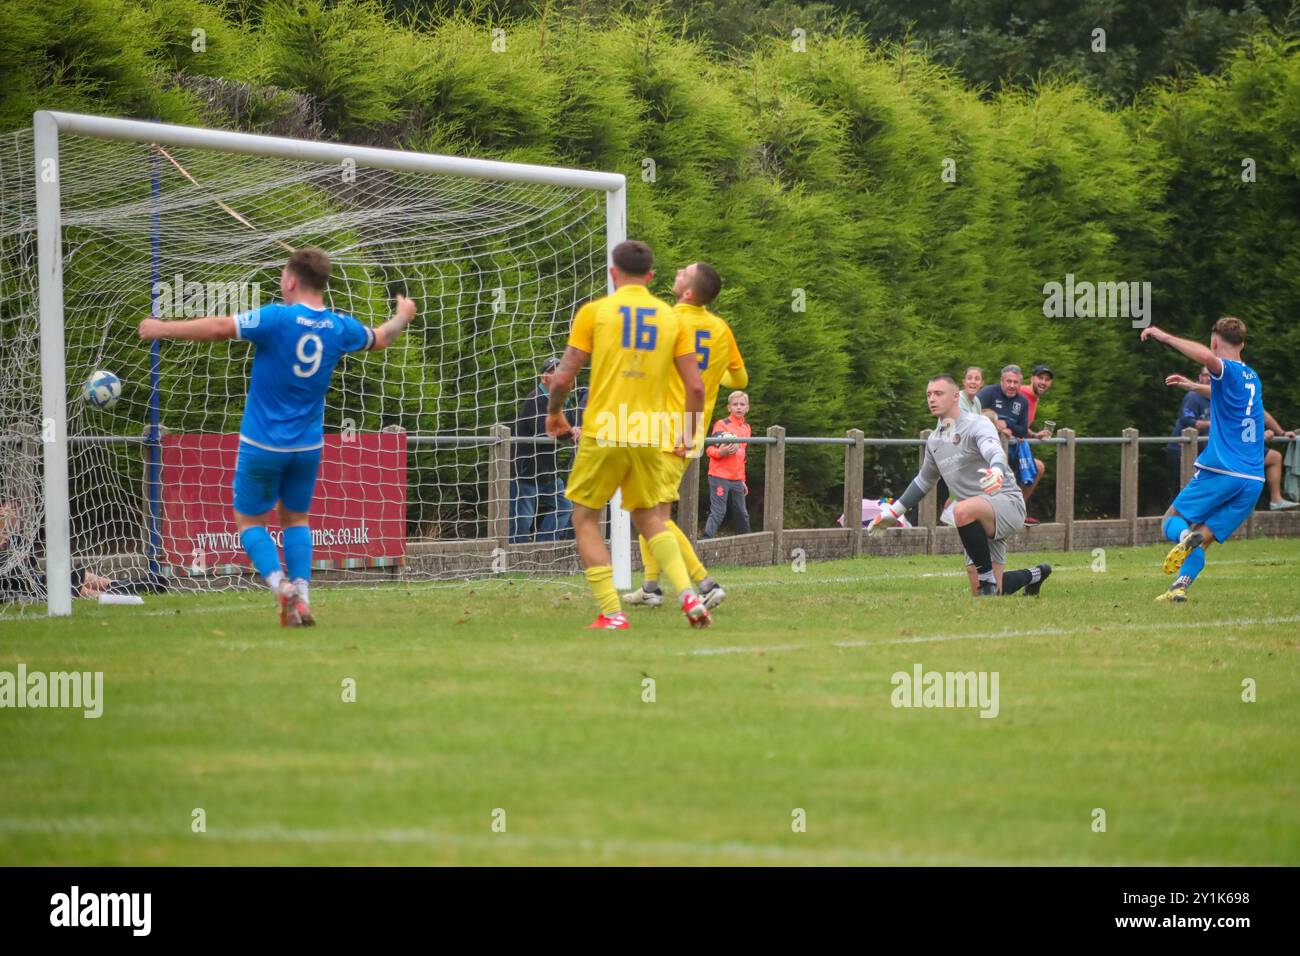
[425, 476]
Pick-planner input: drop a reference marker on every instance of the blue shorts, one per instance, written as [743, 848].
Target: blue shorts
[264, 477]
[1220, 502]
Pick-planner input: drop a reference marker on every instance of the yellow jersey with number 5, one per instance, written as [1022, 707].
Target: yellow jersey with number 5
[715, 348]
[633, 338]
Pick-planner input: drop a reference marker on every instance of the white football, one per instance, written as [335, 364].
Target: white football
[102, 390]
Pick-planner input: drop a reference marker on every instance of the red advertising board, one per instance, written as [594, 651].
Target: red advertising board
[358, 513]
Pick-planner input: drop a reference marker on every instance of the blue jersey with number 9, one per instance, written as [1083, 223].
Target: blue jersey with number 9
[1236, 445]
[297, 349]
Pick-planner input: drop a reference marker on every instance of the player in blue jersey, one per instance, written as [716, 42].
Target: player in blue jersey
[298, 344]
[1230, 471]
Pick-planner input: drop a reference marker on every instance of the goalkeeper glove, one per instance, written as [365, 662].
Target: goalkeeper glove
[991, 481]
[888, 517]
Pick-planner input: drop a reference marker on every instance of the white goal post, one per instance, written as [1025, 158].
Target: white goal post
[487, 213]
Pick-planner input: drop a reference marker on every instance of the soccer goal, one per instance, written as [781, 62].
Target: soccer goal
[106, 221]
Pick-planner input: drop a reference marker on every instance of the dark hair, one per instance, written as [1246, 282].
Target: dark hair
[633, 257]
[706, 283]
[311, 266]
[1231, 329]
[944, 377]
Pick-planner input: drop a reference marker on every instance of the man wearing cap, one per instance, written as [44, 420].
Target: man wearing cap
[1038, 385]
[536, 485]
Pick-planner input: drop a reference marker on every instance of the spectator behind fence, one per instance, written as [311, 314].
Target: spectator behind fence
[1273, 466]
[1039, 382]
[20, 575]
[538, 509]
[1038, 385]
[727, 488]
[968, 401]
[1193, 413]
[1010, 412]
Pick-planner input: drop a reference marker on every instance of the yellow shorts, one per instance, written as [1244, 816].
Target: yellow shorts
[599, 470]
[674, 466]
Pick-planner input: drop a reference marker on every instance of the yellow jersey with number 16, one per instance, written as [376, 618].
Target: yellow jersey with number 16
[633, 338]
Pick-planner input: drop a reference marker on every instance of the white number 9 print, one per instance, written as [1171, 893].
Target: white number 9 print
[312, 359]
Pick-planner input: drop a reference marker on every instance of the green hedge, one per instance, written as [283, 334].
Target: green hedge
[819, 171]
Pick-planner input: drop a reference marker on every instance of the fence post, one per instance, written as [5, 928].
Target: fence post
[927, 512]
[688, 501]
[1128, 482]
[499, 485]
[1187, 463]
[774, 492]
[1065, 486]
[853, 461]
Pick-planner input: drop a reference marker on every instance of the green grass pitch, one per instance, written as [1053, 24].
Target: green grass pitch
[492, 696]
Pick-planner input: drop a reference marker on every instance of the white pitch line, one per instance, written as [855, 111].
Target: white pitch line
[612, 849]
[997, 635]
[802, 579]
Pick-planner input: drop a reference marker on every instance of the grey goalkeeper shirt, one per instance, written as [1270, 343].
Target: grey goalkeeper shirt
[956, 451]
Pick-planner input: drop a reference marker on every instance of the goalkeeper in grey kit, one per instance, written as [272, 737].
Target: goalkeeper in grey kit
[965, 450]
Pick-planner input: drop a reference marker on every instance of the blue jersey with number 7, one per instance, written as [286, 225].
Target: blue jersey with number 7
[297, 349]
[1236, 445]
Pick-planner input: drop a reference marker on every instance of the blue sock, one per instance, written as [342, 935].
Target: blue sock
[1191, 567]
[1174, 526]
[261, 550]
[297, 552]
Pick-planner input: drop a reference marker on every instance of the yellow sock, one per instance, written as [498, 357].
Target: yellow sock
[648, 561]
[694, 567]
[601, 579]
[664, 547]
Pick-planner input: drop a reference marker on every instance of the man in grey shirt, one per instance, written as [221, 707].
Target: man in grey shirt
[966, 452]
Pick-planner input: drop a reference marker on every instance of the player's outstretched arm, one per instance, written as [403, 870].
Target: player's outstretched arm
[387, 333]
[212, 328]
[557, 423]
[918, 488]
[1195, 351]
[1182, 381]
